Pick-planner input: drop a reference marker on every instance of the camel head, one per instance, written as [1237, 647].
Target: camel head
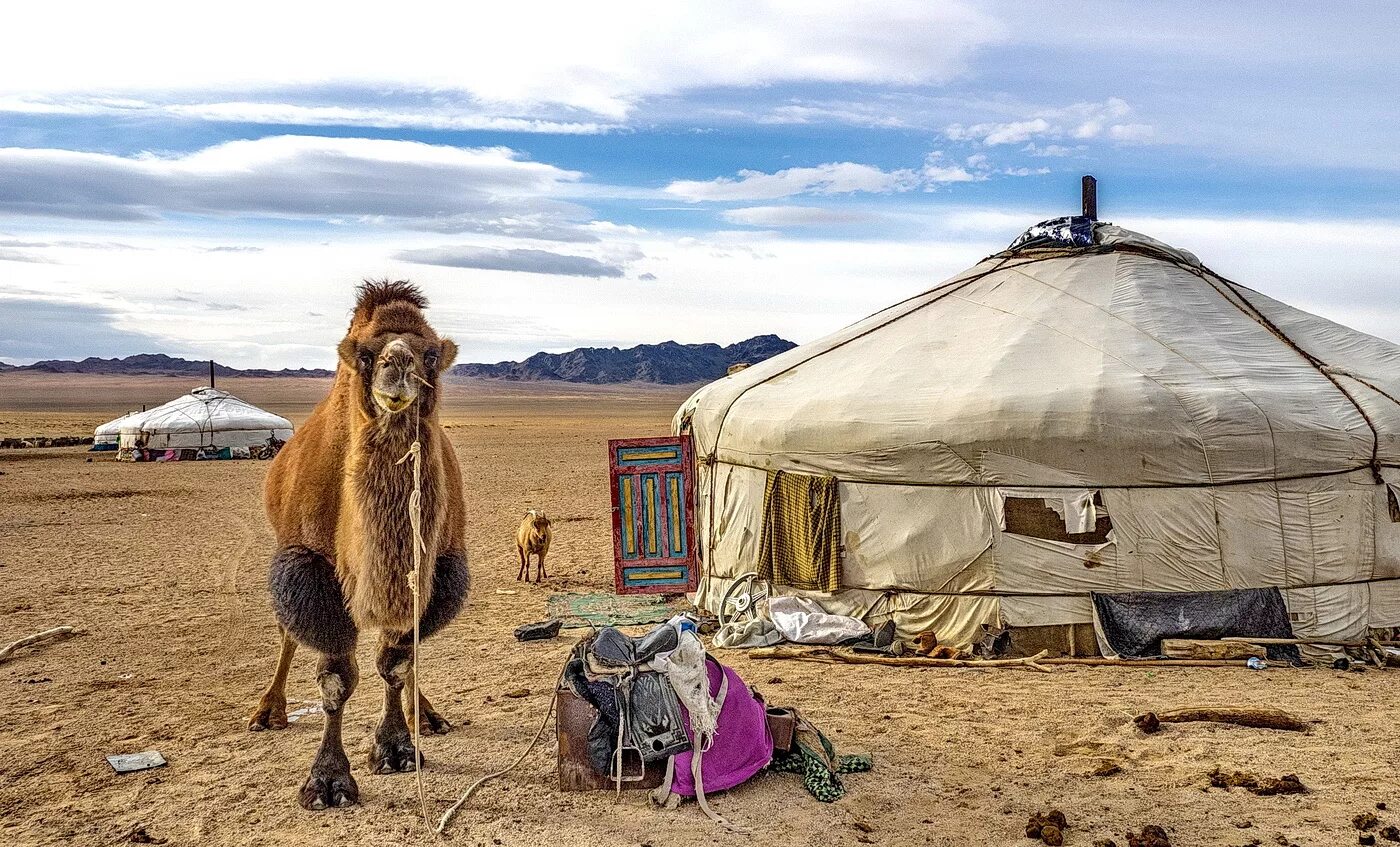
[396, 354]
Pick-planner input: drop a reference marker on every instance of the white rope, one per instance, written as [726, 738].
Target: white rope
[415, 522]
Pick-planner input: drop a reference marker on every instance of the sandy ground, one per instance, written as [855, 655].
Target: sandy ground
[163, 567]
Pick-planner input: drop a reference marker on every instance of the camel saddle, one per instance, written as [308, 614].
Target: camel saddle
[639, 714]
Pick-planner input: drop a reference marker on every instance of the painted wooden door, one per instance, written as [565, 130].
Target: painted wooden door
[653, 510]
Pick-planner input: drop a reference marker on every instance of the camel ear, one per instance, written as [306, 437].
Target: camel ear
[448, 355]
[346, 351]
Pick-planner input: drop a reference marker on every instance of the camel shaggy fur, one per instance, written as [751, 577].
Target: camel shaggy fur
[337, 497]
[533, 538]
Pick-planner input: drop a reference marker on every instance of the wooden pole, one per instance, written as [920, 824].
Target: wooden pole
[830, 656]
[1089, 193]
[1292, 641]
[54, 634]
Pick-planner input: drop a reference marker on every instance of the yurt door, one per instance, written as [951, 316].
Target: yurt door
[653, 515]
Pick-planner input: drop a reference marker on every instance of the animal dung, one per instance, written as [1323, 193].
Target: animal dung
[1151, 836]
[132, 762]
[1366, 821]
[1048, 827]
[1262, 786]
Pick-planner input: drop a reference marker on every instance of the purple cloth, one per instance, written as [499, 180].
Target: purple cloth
[742, 746]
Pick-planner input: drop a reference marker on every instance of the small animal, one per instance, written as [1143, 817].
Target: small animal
[533, 537]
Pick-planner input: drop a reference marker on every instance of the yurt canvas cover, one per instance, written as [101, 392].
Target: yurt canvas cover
[205, 424]
[1183, 433]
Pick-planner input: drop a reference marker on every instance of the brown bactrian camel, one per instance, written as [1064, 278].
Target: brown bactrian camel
[337, 496]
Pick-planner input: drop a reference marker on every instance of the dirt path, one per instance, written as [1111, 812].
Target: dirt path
[163, 566]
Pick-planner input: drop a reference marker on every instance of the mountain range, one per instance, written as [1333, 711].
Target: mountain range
[668, 363]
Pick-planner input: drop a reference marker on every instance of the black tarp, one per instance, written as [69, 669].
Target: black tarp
[1134, 623]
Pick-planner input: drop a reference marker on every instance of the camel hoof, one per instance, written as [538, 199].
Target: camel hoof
[394, 755]
[323, 791]
[268, 716]
[433, 724]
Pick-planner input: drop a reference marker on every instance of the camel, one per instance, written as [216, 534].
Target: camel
[337, 498]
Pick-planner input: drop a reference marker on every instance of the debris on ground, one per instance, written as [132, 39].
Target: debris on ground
[1262, 786]
[132, 762]
[1366, 821]
[1365, 838]
[1150, 836]
[539, 631]
[1049, 827]
[517, 693]
[139, 835]
[305, 712]
[1391, 833]
[1106, 767]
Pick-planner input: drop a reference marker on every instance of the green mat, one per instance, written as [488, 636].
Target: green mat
[603, 609]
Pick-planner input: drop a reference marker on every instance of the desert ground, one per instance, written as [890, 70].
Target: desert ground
[162, 567]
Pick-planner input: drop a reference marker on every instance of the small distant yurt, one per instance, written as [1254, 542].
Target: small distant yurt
[204, 424]
[1090, 414]
[107, 436]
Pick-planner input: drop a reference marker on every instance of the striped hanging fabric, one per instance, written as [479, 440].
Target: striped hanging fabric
[801, 542]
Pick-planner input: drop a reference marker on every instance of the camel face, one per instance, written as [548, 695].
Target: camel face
[397, 371]
[398, 358]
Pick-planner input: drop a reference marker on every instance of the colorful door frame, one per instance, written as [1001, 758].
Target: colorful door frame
[653, 515]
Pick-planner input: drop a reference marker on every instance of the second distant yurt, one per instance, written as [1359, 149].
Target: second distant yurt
[205, 424]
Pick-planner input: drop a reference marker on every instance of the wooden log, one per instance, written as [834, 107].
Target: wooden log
[1322, 642]
[1191, 648]
[54, 634]
[830, 656]
[1258, 718]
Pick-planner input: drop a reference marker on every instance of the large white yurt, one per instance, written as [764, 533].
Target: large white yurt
[204, 424]
[1090, 412]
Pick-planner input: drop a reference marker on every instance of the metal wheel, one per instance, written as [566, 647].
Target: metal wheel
[746, 600]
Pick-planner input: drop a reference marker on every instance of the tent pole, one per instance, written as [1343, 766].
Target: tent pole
[1089, 193]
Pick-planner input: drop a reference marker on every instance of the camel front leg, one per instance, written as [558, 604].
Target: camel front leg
[393, 750]
[330, 782]
[272, 708]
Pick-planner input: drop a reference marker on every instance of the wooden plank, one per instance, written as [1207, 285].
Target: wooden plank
[1295, 641]
[1193, 648]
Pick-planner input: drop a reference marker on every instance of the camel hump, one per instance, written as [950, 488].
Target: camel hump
[373, 293]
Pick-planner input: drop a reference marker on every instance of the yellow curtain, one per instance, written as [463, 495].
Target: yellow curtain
[801, 542]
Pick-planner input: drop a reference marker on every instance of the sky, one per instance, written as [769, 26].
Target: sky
[212, 180]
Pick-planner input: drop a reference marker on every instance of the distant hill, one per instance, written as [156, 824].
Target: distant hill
[155, 364]
[668, 363]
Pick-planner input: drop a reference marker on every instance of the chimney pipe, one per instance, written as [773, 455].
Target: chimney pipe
[211, 373]
[1089, 192]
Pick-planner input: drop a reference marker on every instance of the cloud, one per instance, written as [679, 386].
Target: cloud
[286, 176]
[591, 58]
[833, 178]
[1083, 121]
[782, 216]
[521, 260]
[429, 115]
[44, 328]
[10, 255]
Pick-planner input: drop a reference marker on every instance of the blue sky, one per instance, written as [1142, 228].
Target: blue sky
[213, 183]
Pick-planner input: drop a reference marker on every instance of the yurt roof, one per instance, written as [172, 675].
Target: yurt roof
[115, 426]
[1114, 361]
[207, 410]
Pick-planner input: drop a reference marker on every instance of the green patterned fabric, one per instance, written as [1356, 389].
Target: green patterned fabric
[814, 757]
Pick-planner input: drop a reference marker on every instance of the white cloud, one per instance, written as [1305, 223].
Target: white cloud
[516, 259]
[410, 116]
[589, 57]
[294, 176]
[832, 178]
[785, 216]
[1083, 121]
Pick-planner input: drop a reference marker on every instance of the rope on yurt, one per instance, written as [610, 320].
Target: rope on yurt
[1317, 364]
